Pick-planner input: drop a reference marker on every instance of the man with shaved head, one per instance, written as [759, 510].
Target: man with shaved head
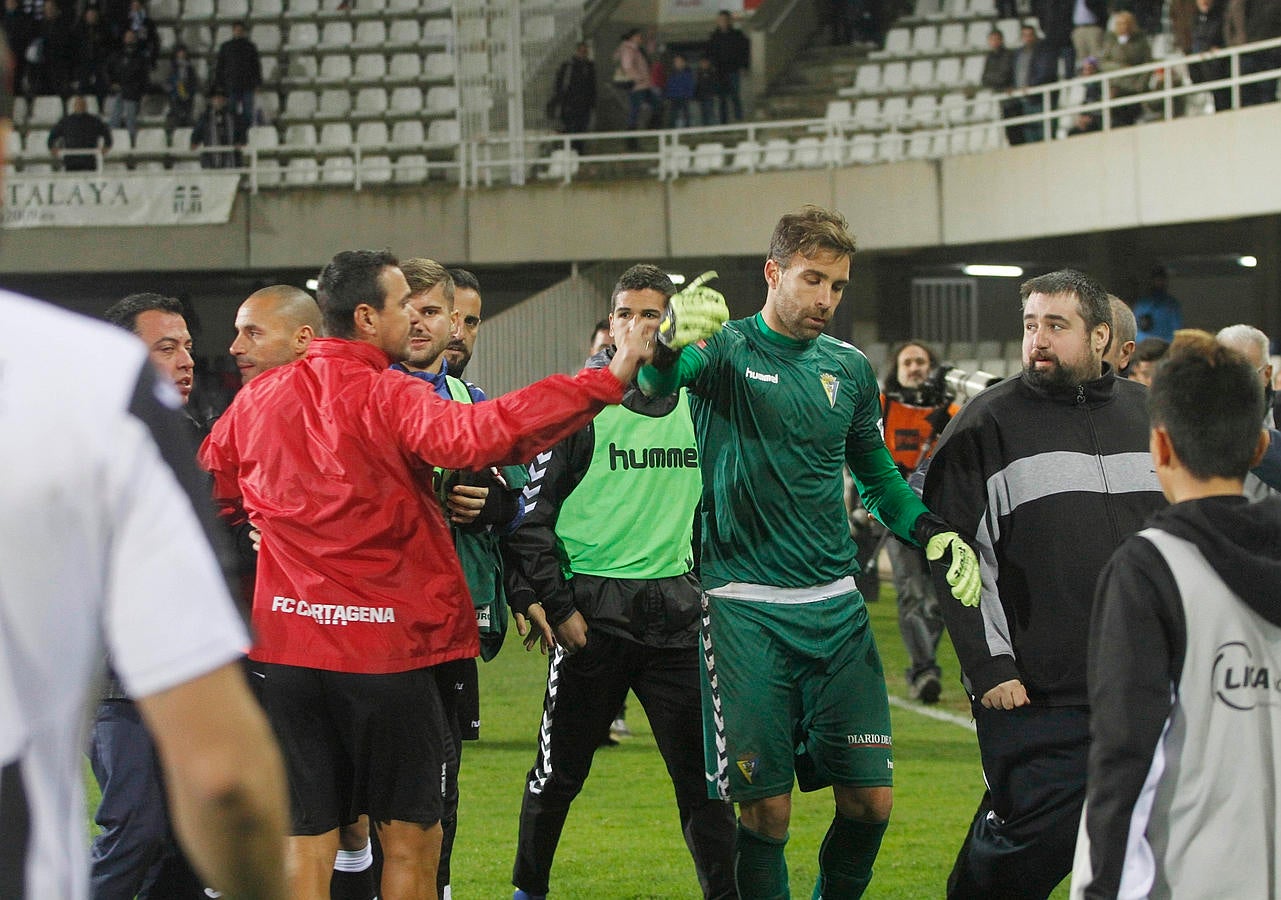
[274, 326]
[1124, 329]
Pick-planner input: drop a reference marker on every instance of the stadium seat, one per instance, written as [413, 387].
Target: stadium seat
[302, 69]
[921, 75]
[441, 99]
[300, 105]
[13, 145]
[894, 76]
[372, 134]
[437, 31]
[958, 142]
[867, 113]
[37, 169]
[947, 74]
[925, 39]
[197, 9]
[930, 9]
[808, 153]
[338, 170]
[836, 150]
[898, 42]
[150, 165]
[952, 38]
[923, 109]
[19, 110]
[336, 36]
[918, 145]
[232, 10]
[370, 102]
[121, 142]
[408, 133]
[889, 148]
[151, 141]
[538, 28]
[262, 136]
[746, 156]
[370, 7]
[301, 136]
[410, 169]
[267, 9]
[303, 36]
[868, 79]
[403, 33]
[37, 145]
[952, 107]
[776, 154]
[982, 9]
[976, 36]
[186, 165]
[302, 170]
[371, 67]
[984, 139]
[402, 5]
[221, 34]
[375, 169]
[863, 148]
[436, 65]
[303, 8]
[45, 111]
[839, 113]
[408, 66]
[336, 134]
[371, 34]
[267, 37]
[983, 107]
[894, 112]
[709, 157]
[1010, 31]
[334, 69]
[267, 106]
[444, 131]
[334, 103]
[270, 69]
[165, 10]
[407, 100]
[972, 71]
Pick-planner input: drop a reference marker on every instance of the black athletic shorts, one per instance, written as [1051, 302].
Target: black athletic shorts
[357, 744]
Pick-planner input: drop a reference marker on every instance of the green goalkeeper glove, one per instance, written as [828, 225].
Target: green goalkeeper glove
[963, 570]
[693, 314]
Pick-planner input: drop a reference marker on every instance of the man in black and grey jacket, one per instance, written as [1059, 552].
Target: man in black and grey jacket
[1045, 474]
[1185, 649]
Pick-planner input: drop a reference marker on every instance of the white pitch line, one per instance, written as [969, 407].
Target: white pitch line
[929, 712]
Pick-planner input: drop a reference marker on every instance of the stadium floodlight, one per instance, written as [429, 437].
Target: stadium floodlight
[312, 284]
[992, 271]
[1248, 261]
[676, 278]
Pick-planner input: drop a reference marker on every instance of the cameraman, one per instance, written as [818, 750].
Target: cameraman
[915, 408]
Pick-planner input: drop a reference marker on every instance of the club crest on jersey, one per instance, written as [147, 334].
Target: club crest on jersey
[830, 386]
[748, 765]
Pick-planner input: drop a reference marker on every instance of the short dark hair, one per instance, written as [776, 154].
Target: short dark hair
[1149, 350]
[642, 277]
[891, 374]
[1210, 401]
[1091, 300]
[347, 281]
[465, 280]
[124, 312]
[602, 325]
[810, 231]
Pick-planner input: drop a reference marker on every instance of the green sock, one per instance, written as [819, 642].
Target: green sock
[845, 858]
[759, 866]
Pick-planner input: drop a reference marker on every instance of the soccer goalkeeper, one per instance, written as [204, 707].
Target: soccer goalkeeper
[794, 687]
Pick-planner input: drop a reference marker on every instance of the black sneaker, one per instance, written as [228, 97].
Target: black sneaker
[927, 688]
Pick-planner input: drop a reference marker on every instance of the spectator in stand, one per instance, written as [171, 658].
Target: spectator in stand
[1088, 19]
[1207, 35]
[1246, 21]
[1056, 18]
[130, 80]
[1147, 14]
[657, 82]
[19, 30]
[730, 53]
[239, 73]
[181, 86]
[574, 93]
[1147, 353]
[138, 20]
[998, 65]
[679, 91]
[705, 92]
[1084, 123]
[1124, 46]
[1034, 65]
[1157, 312]
[92, 44]
[52, 52]
[79, 130]
[632, 75]
[219, 127]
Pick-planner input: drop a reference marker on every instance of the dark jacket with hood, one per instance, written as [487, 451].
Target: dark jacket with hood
[1140, 714]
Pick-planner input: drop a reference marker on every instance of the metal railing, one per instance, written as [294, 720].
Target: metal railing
[666, 154]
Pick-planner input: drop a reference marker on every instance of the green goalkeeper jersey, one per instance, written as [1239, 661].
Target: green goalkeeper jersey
[776, 418]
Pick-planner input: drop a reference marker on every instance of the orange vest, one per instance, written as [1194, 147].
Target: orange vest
[907, 433]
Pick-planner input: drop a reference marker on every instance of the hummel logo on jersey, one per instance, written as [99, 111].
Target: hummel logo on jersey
[760, 376]
[332, 614]
[830, 387]
[652, 458]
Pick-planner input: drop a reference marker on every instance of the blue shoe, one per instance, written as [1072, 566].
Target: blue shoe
[521, 895]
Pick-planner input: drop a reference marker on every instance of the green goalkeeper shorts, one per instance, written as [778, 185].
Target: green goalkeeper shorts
[792, 691]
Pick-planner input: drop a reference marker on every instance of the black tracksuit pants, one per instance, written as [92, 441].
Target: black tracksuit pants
[584, 692]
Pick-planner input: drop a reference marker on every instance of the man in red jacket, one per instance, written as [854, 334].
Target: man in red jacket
[359, 592]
